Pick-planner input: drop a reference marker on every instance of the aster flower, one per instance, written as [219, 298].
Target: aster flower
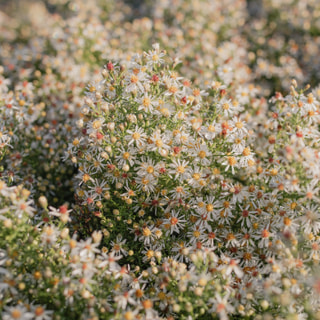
[19, 312]
[136, 137]
[174, 223]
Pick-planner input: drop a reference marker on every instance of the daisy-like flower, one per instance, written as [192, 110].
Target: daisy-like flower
[182, 137]
[210, 238]
[124, 299]
[174, 223]
[233, 266]
[225, 208]
[263, 237]
[310, 221]
[315, 250]
[246, 217]
[226, 74]
[88, 249]
[126, 156]
[4, 84]
[146, 184]
[4, 138]
[197, 179]
[129, 193]
[311, 191]
[98, 188]
[309, 104]
[136, 137]
[146, 103]
[148, 235]
[23, 206]
[11, 108]
[109, 261]
[95, 126]
[18, 312]
[243, 95]
[164, 109]
[247, 159]
[202, 219]
[230, 239]
[180, 170]
[245, 238]
[210, 131]
[49, 235]
[239, 193]
[173, 88]
[158, 142]
[221, 306]
[40, 313]
[110, 91]
[274, 175]
[226, 107]
[179, 193]
[231, 163]
[62, 211]
[196, 234]
[118, 246]
[180, 251]
[134, 80]
[98, 162]
[239, 127]
[198, 94]
[202, 154]
[154, 56]
[205, 206]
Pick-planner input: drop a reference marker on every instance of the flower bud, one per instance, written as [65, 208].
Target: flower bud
[43, 202]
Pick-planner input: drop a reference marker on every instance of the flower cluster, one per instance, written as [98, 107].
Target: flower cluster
[48, 274]
[180, 181]
[165, 167]
[157, 153]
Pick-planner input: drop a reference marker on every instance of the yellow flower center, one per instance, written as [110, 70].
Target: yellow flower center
[209, 207]
[146, 102]
[196, 176]
[246, 152]
[16, 314]
[180, 169]
[196, 234]
[232, 161]
[158, 143]
[134, 79]
[174, 221]
[173, 89]
[202, 154]
[96, 124]
[165, 112]
[146, 232]
[150, 169]
[239, 124]
[126, 156]
[39, 311]
[136, 136]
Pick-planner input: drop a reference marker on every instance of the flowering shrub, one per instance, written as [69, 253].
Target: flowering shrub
[167, 185]
[156, 155]
[31, 145]
[167, 168]
[46, 273]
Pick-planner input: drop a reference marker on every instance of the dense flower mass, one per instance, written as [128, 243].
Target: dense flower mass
[153, 146]
[159, 160]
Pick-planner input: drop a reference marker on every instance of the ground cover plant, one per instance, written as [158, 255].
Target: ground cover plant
[159, 159]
